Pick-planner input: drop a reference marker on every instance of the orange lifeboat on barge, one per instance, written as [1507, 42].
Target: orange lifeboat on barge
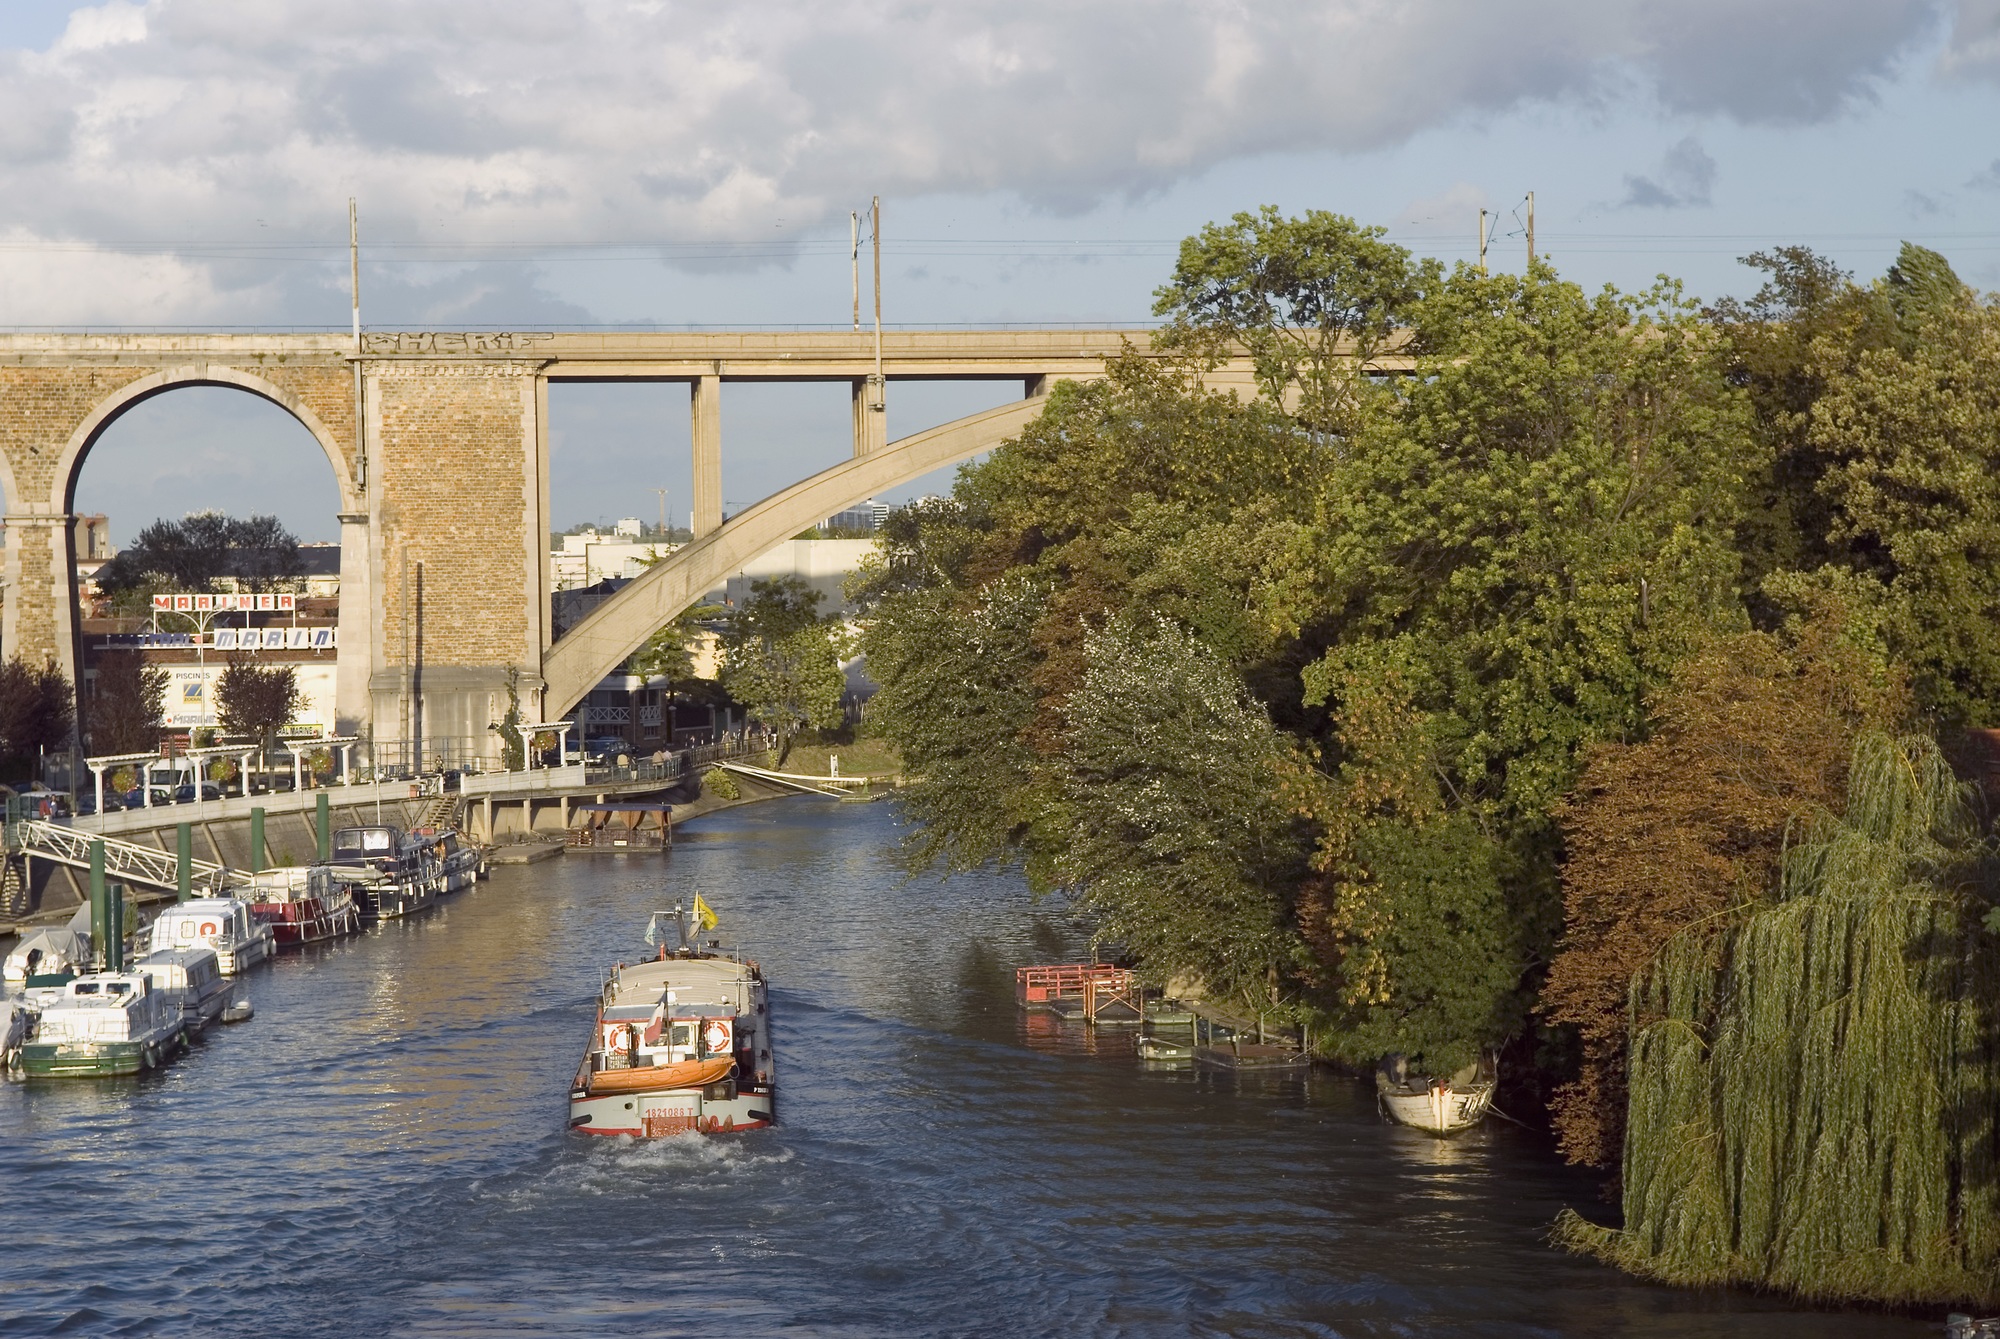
[682, 1041]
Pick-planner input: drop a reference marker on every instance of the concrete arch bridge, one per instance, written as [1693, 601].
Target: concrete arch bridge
[439, 445]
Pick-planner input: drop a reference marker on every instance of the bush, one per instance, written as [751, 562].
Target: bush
[721, 784]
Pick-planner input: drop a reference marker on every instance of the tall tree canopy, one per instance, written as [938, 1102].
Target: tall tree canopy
[127, 704]
[191, 553]
[781, 659]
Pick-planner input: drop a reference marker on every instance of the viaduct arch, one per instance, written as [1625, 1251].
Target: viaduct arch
[439, 446]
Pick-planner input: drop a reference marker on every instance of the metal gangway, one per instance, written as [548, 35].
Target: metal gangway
[812, 785]
[125, 860]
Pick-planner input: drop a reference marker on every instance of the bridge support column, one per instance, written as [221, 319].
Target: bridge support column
[1035, 385]
[355, 654]
[871, 419]
[705, 420]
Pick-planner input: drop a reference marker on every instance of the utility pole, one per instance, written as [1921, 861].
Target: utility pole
[881, 387]
[663, 511]
[854, 258]
[354, 266]
[354, 278]
[1531, 230]
[1482, 243]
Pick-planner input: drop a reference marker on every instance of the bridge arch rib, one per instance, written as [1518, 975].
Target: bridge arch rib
[615, 629]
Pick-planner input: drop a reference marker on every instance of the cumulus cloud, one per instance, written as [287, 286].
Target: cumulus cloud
[1974, 50]
[617, 120]
[1685, 177]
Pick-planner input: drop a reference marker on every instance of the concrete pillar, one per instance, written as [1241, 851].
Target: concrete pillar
[705, 410]
[1035, 385]
[871, 422]
[354, 649]
[323, 825]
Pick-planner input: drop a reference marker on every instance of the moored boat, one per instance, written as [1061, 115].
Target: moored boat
[193, 976]
[44, 952]
[390, 872]
[1435, 1105]
[302, 906]
[105, 1023]
[460, 864]
[224, 924]
[681, 1043]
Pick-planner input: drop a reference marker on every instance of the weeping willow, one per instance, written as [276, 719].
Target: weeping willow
[1813, 1080]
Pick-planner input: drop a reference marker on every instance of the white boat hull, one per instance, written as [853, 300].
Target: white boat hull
[1440, 1109]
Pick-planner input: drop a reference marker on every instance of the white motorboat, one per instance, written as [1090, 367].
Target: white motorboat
[194, 977]
[681, 1043]
[105, 1023]
[224, 924]
[1438, 1106]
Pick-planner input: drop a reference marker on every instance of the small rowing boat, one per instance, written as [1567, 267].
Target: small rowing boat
[1437, 1106]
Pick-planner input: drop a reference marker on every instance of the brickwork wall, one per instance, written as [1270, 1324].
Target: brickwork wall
[41, 408]
[451, 466]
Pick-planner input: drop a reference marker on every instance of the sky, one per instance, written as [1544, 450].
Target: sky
[550, 164]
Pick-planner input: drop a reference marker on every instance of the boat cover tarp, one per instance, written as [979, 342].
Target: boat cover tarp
[58, 949]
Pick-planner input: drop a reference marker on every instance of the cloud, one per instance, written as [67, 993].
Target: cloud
[1974, 49]
[1987, 178]
[608, 120]
[1685, 177]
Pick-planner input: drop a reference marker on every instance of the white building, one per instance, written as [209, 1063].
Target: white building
[825, 564]
[588, 558]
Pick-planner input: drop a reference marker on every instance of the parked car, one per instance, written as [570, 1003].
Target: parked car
[135, 798]
[184, 793]
[86, 803]
[606, 749]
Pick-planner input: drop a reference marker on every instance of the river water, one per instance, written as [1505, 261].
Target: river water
[382, 1150]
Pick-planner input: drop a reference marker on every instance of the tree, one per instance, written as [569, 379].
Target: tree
[1753, 732]
[191, 553]
[256, 701]
[782, 661]
[1173, 825]
[127, 706]
[1313, 299]
[37, 711]
[1814, 1077]
[1913, 438]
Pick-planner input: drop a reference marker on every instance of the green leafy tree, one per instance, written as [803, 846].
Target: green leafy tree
[781, 659]
[37, 711]
[127, 704]
[1912, 434]
[1313, 300]
[193, 552]
[256, 701]
[513, 740]
[1174, 829]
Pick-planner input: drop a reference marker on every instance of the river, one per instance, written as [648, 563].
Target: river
[382, 1150]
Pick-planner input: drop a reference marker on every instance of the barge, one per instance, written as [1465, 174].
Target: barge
[681, 1043]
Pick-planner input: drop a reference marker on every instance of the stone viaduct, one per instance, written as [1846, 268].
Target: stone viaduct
[439, 445]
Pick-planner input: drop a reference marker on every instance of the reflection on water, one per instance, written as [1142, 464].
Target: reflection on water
[382, 1150]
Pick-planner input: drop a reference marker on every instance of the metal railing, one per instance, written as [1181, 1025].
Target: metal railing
[122, 859]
